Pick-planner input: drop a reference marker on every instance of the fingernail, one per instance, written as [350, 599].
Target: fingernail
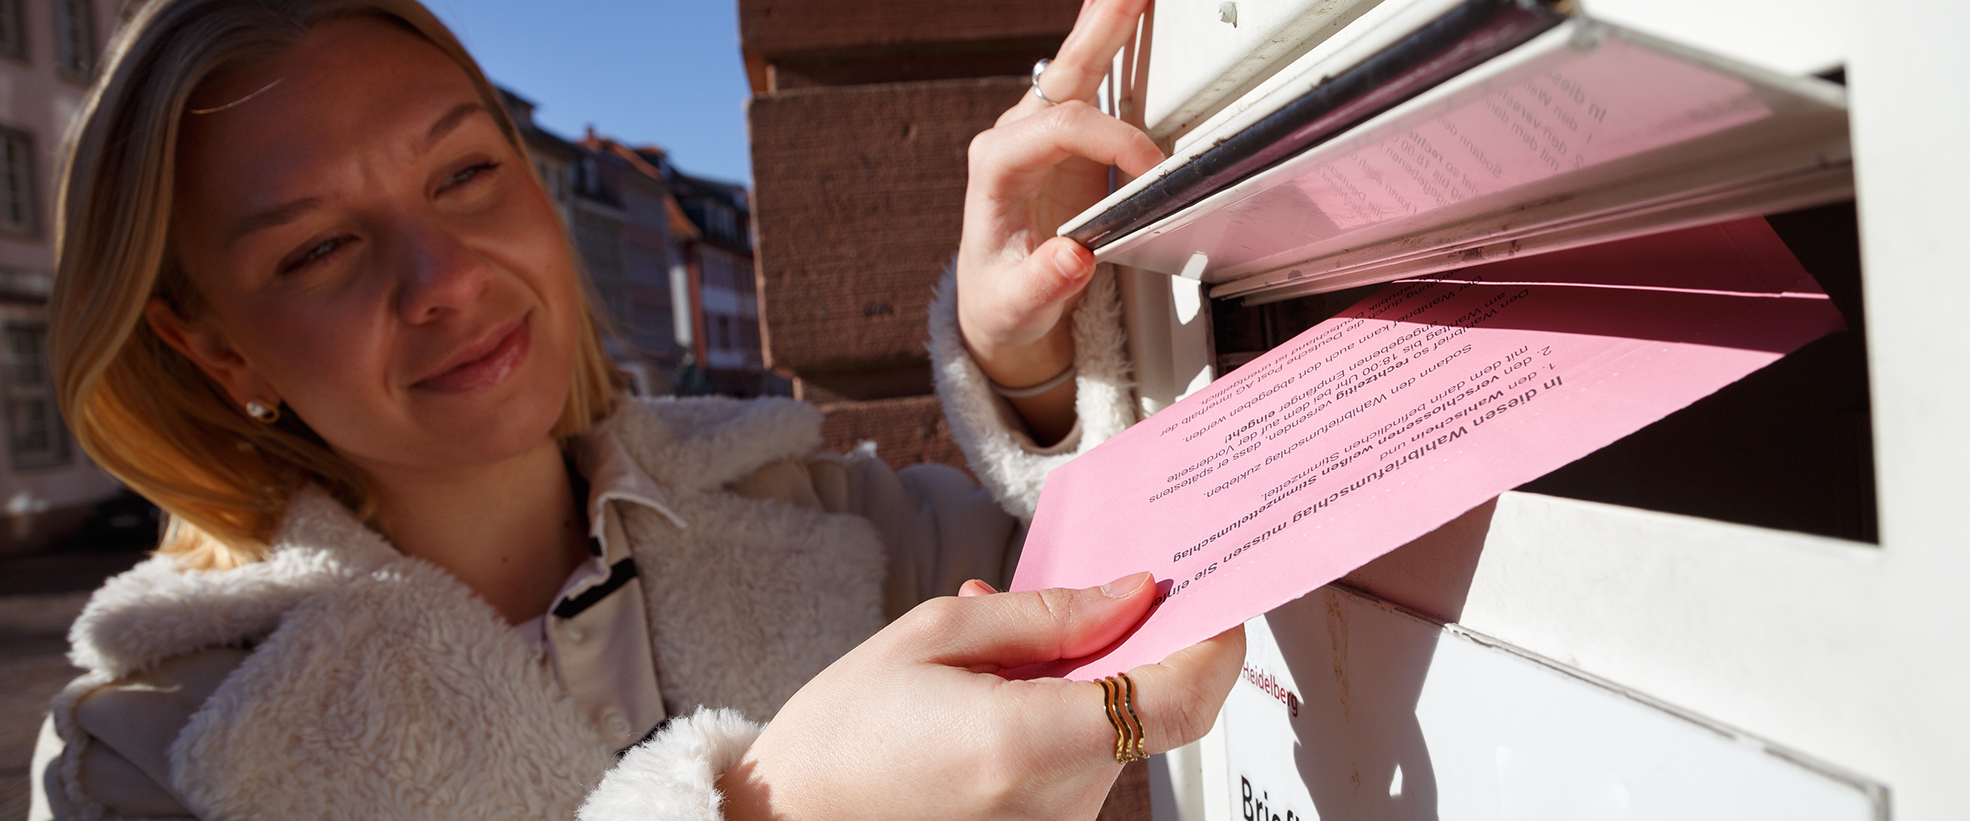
[983, 585]
[1068, 262]
[1122, 587]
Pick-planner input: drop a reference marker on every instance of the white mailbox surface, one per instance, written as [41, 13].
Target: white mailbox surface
[1369, 712]
[1850, 653]
[1214, 50]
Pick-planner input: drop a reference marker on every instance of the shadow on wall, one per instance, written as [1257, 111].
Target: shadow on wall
[1361, 751]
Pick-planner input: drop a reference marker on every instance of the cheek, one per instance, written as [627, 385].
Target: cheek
[540, 255]
[326, 363]
[531, 235]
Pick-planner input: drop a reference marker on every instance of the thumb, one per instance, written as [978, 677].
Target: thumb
[1058, 269]
[1050, 276]
[1016, 629]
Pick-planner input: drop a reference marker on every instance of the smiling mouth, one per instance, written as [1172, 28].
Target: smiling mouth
[488, 368]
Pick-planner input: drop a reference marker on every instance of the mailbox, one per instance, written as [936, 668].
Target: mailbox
[1742, 611]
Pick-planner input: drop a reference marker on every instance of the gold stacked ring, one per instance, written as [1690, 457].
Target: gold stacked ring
[1128, 728]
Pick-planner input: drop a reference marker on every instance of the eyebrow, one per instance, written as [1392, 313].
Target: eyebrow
[273, 218]
[450, 122]
[288, 212]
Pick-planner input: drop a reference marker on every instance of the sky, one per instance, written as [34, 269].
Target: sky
[641, 71]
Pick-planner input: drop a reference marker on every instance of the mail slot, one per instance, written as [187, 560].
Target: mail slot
[1668, 627]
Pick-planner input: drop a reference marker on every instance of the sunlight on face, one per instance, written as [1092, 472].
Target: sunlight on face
[372, 251]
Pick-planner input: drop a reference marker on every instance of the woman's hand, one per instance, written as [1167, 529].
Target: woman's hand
[1038, 167]
[916, 724]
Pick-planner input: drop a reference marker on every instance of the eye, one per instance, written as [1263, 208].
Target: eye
[314, 253]
[468, 174]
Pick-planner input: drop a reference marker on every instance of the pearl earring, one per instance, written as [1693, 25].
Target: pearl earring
[262, 412]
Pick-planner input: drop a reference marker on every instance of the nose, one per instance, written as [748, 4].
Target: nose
[441, 274]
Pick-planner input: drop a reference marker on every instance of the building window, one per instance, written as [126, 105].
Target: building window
[557, 186]
[34, 431]
[75, 39]
[16, 181]
[13, 34]
[720, 222]
[588, 177]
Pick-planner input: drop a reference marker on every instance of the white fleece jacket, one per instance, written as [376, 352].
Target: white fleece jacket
[358, 682]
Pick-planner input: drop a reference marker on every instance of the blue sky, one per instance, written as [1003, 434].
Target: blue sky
[662, 71]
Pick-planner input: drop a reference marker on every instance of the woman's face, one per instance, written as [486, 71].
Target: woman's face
[370, 250]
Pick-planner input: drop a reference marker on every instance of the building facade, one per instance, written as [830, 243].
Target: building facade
[48, 54]
[620, 221]
[728, 344]
[669, 256]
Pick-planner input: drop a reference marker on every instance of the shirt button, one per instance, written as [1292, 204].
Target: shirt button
[572, 632]
[617, 725]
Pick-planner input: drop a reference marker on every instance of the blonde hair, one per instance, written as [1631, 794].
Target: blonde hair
[139, 408]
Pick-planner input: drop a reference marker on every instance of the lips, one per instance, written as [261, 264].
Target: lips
[484, 363]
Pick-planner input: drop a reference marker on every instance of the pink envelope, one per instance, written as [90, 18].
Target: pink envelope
[1417, 404]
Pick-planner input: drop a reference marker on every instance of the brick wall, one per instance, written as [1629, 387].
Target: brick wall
[860, 116]
[912, 425]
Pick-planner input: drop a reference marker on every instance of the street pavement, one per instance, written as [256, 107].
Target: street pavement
[40, 595]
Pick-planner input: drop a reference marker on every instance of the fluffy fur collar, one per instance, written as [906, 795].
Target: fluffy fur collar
[380, 686]
[157, 610]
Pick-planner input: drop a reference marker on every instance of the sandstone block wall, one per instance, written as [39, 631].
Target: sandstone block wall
[860, 117]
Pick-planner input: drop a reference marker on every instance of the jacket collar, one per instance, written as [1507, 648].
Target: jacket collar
[659, 448]
[158, 610]
[613, 476]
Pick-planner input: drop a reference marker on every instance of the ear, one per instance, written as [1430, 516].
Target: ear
[208, 348]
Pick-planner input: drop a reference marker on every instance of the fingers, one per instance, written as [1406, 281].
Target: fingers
[1010, 162]
[1020, 307]
[1179, 698]
[1058, 269]
[1030, 300]
[1100, 31]
[1175, 702]
[974, 588]
[1039, 289]
[1016, 629]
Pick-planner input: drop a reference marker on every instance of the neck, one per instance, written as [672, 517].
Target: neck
[512, 531]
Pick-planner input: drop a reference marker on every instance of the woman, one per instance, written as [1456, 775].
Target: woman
[424, 559]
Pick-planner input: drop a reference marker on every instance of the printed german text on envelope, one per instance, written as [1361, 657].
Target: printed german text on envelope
[1424, 400]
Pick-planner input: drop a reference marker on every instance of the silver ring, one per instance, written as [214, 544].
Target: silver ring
[1038, 69]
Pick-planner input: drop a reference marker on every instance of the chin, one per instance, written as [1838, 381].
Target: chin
[486, 430]
[515, 426]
